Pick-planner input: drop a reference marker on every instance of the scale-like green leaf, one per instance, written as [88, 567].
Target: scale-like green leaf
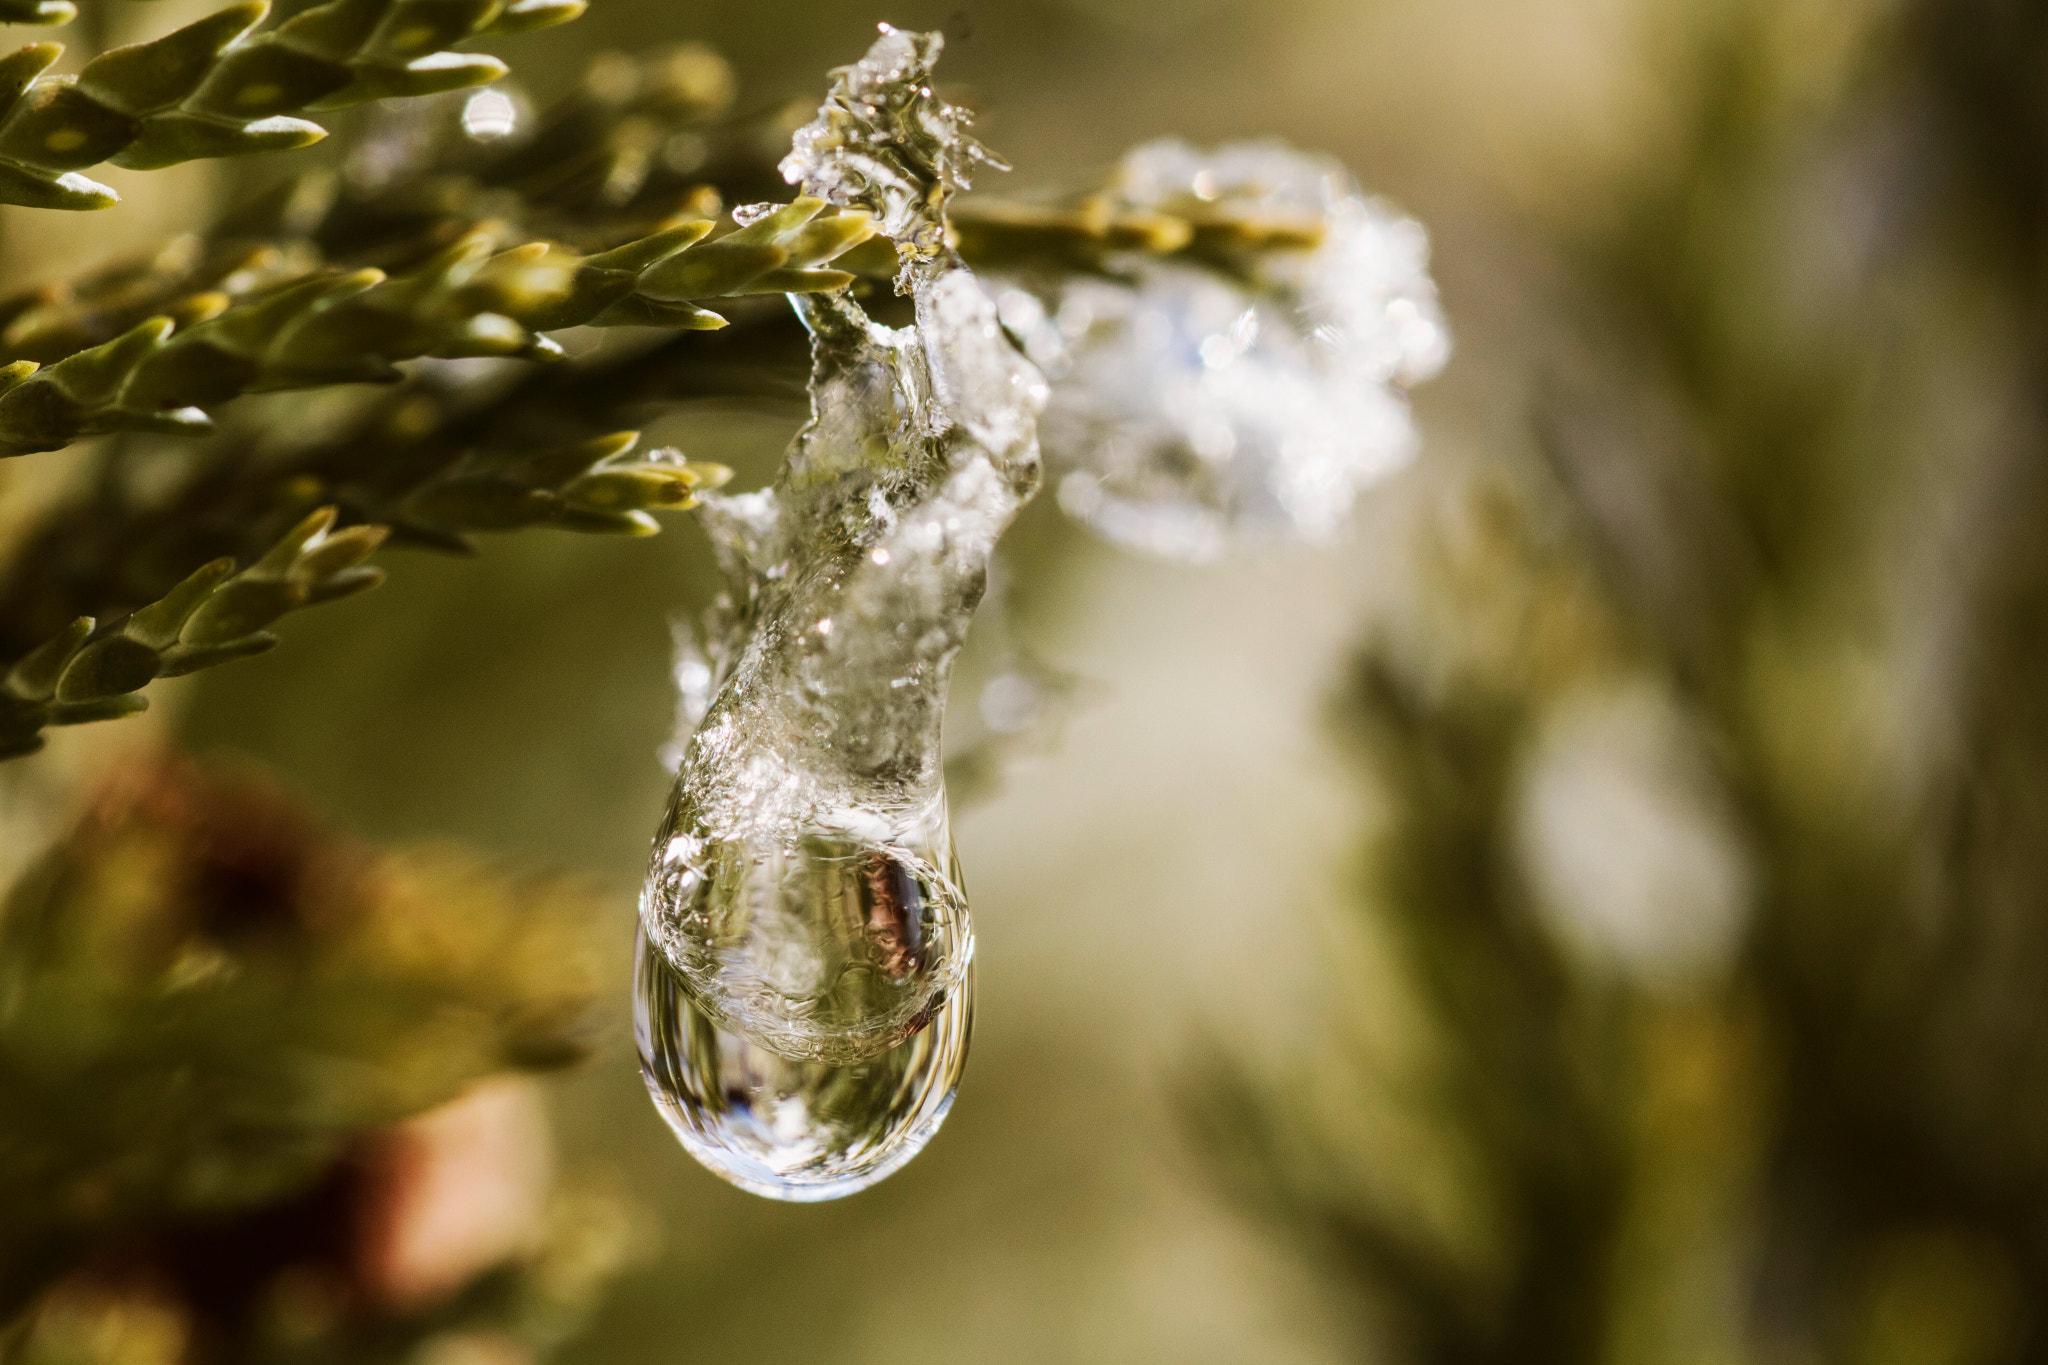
[216, 88]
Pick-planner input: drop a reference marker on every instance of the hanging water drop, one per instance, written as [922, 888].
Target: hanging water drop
[788, 1129]
[804, 975]
[823, 943]
[802, 882]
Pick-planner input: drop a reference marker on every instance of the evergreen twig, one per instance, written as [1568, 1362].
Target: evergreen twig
[216, 614]
[339, 327]
[212, 90]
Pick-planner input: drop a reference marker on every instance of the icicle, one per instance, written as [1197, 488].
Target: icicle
[1194, 408]
[803, 888]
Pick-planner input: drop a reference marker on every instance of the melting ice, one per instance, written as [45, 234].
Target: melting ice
[789, 1129]
[803, 889]
[804, 979]
[1234, 390]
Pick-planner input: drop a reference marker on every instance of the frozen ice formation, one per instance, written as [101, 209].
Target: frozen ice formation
[883, 142]
[804, 975]
[1235, 390]
[787, 1129]
[803, 882]
[803, 887]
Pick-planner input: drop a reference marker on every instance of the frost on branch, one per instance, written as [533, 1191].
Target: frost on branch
[1247, 386]
[803, 885]
[883, 142]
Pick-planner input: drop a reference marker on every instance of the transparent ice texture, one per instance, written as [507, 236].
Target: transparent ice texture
[1233, 392]
[788, 1129]
[884, 142]
[694, 673]
[803, 885]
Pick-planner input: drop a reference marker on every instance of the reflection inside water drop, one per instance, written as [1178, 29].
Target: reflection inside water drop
[813, 943]
[795, 1130]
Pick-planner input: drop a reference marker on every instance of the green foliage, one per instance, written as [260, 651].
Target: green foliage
[466, 300]
[587, 487]
[1083, 233]
[253, 310]
[37, 11]
[212, 90]
[217, 614]
[273, 299]
[1830, 1146]
[640, 141]
[206, 999]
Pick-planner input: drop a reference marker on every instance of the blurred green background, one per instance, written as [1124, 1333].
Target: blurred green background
[1625, 922]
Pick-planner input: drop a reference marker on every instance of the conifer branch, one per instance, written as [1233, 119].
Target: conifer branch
[1084, 234]
[257, 309]
[182, 1041]
[126, 540]
[216, 614]
[581, 177]
[211, 90]
[467, 300]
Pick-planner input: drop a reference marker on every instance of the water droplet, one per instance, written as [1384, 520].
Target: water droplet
[803, 881]
[489, 115]
[816, 943]
[787, 1129]
[804, 966]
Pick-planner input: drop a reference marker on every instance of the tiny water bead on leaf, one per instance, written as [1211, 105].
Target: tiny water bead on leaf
[786, 1129]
